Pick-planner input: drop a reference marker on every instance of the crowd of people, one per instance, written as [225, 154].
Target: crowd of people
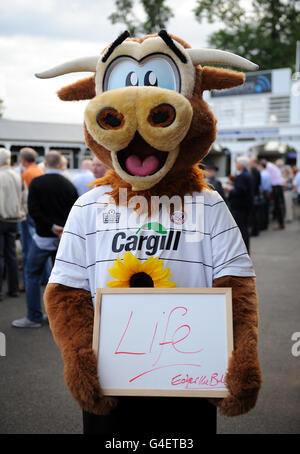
[35, 201]
[259, 191]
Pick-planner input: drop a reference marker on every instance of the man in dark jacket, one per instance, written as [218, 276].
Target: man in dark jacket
[50, 199]
[210, 171]
[241, 198]
[256, 210]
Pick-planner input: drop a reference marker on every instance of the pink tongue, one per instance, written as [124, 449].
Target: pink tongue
[136, 167]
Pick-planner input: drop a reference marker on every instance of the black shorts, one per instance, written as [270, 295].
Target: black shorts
[155, 416]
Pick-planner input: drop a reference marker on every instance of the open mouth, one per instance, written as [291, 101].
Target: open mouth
[140, 159]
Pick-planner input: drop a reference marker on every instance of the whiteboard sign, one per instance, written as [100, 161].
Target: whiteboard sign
[163, 341]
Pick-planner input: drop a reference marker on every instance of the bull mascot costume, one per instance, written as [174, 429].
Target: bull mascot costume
[148, 123]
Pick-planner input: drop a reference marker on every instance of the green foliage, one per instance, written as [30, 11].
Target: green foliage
[156, 12]
[265, 31]
[125, 15]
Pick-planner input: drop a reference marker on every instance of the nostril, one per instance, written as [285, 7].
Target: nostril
[162, 116]
[110, 118]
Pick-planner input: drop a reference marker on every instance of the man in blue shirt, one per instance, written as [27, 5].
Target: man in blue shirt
[266, 189]
[84, 177]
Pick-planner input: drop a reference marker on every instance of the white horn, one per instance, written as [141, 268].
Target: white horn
[78, 65]
[220, 57]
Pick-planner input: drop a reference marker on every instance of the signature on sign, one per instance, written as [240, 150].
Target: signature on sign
[197, 382]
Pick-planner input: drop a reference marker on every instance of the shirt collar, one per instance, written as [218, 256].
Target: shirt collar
[53, 171]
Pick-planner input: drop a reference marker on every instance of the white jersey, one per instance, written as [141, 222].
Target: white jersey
[198, 244]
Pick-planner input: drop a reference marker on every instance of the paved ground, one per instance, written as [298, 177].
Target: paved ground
[34, 399]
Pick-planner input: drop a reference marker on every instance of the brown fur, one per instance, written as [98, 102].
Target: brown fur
[218, 78]
[243, 378]
[71, 314]
[79, 90]
[185, 182]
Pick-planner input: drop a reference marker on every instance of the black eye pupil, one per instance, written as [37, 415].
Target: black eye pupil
[150, 79]
[132, 79]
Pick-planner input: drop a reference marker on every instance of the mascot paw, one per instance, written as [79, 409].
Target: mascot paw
[243, 382]
[235, 406]
[81, 378]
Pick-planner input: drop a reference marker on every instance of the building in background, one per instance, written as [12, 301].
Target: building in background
[43, 137]
[260, 118]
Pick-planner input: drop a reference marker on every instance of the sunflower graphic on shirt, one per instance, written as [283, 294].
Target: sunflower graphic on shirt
[131, 272]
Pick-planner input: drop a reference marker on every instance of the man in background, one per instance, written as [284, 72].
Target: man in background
[277, 190]
[29, 170]
[266, 189]
[29, 164]
[12, 210]
[84, 177]
[51, 197]
[98, 168]
[210, 171]
[64, 168]
[241, 198]
[255, 219]
[280, 164]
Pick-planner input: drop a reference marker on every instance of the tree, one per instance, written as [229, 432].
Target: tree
[157, 16]
[265, 32]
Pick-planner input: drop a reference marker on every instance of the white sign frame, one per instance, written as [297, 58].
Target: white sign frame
[208, 386]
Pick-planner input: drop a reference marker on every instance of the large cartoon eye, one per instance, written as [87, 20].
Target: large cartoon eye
[150, 79]
[154, 70]
[132, 79]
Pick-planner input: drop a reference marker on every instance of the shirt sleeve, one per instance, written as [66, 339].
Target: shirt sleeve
[70, 266]
[229, 253]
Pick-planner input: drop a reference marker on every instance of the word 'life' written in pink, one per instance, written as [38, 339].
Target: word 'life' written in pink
[168, 332]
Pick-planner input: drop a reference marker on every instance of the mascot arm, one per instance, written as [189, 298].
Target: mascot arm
[70, 312]
[243, 377]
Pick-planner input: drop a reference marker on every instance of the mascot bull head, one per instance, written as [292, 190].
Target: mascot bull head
[146, 119]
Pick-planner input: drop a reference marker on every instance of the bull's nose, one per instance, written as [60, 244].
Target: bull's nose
[110, 118]
[162, 116]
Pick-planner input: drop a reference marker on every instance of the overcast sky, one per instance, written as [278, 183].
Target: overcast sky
[36, 35]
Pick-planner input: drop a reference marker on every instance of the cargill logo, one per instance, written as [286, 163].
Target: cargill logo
[155, 226]
[159, 239]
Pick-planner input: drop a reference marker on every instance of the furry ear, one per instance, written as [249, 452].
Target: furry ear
[79, 90]
[220, 78]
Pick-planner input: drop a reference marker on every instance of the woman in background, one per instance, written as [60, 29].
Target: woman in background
[287, 175]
